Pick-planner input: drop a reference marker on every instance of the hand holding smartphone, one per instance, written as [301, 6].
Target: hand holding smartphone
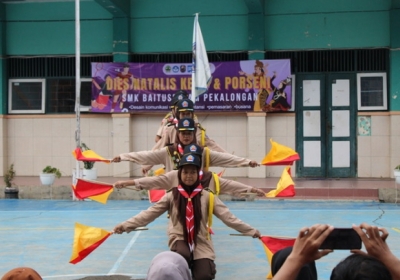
[342, 239]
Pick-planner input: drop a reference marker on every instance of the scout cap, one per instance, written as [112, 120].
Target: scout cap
[193, 149]
[190, 159]
[185, 105]
[186, 124]
[22, 273]
[179, 95]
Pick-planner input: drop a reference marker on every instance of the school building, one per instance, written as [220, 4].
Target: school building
[345, 65]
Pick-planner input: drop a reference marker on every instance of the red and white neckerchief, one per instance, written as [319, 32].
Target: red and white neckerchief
[180, 149]
[173, 120]
[190, 213]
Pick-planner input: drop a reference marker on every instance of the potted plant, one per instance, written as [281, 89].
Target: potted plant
[397, 174]
[89, 172]
[10, 190]
[49, 174]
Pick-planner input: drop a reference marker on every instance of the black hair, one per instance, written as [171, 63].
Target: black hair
[360, 267]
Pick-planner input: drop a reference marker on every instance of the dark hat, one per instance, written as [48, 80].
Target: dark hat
[180, 95]
[193, 149]
[186, 124]
[185, 105]
[22, 273]
[190, 159]
[182, 92]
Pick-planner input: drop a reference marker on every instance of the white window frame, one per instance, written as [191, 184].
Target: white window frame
[384, 92]
[293, 85]
[10, 96]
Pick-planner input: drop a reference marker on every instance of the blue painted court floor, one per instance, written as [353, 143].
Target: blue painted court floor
[39, 234]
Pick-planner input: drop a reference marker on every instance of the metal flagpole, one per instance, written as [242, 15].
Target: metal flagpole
[77, 88]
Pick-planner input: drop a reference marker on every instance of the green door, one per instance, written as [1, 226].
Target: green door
[326, 122]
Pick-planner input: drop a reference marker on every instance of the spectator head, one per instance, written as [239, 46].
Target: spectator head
[307, 272]
[22, 273]
[168, 266]
[358, 266]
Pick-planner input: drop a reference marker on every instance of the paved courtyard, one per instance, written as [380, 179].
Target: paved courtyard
[39, 234]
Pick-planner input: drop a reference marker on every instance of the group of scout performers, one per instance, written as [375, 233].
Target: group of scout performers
[191, 198]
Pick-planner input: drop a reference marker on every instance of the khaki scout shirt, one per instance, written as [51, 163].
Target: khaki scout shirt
[170, 135]
[204, 247]
[162, 157]
[166, 181]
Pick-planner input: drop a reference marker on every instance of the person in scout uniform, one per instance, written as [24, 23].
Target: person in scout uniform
[208, 179]
[189, 231]
[185, 109]
[170, 118]
[170, 156]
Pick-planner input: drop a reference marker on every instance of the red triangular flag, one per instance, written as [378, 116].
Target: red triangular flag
[156, 195]
[91, 189]
[285, 186]
[88, 155]
[274, 244]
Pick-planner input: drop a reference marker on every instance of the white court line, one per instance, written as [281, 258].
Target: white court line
[121, 258]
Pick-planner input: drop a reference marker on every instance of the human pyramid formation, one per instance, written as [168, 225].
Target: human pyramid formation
[186, 152]
[191, 200]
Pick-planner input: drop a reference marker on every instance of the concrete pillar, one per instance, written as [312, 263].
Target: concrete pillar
[121, 132]
[256, 30]
[3, 146]
[256, 139]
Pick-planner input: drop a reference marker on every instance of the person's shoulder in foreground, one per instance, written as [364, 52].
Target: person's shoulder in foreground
[22, 273]
[168, 266]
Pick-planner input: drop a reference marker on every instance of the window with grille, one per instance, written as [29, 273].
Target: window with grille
[26, 96]
[371, 91]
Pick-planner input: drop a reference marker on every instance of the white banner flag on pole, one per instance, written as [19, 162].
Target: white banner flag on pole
[201, 73]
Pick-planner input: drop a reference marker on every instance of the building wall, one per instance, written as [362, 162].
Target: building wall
[48, 28]
[36, 141]
[326, 24]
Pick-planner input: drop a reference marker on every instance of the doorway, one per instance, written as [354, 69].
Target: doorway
[326, 122]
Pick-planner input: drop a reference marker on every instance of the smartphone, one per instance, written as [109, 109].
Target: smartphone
[342, 239]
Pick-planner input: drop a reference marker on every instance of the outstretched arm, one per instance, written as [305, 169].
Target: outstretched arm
[162, 182]
[226, 216]
[145, 217]
[236, 188]
[229, 160]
